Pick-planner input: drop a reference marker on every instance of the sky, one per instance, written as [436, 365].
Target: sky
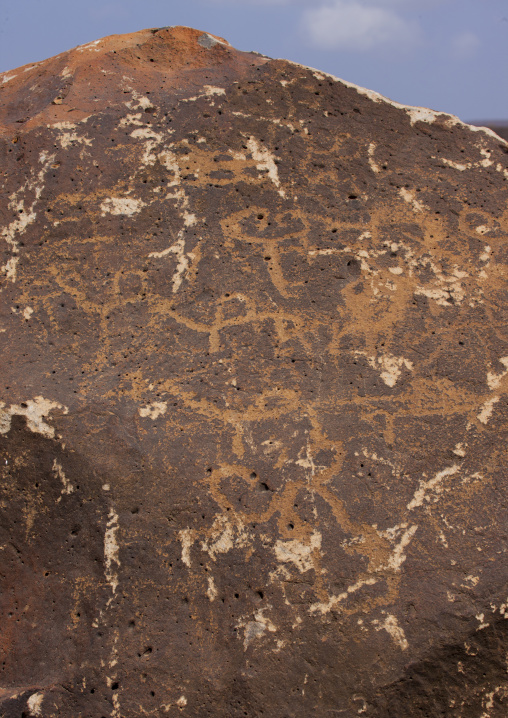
[450, 55]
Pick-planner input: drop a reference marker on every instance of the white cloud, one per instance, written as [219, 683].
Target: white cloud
[465, 45]
[355, 25]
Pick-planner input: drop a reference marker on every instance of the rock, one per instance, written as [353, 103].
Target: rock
[499, 127]
[254, 391]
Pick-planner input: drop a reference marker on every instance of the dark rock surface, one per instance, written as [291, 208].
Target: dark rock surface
[254, 386]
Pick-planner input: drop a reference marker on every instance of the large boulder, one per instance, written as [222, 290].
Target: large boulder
[254, 388]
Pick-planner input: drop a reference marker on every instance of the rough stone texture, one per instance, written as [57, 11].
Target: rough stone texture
[254, 392]
[500, 128]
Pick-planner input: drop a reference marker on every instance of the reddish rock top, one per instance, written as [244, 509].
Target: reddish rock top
[254, 392]
[98, 75]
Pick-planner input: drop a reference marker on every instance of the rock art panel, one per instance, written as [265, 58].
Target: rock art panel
[254, 392]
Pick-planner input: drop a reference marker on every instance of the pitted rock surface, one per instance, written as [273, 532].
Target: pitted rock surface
[254, 392]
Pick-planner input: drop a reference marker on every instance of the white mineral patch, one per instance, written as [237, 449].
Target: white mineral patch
[122, 205]
[111, 551]
[7, 78]
[446, 286]
[58, 471]
[455, 165]
[440, 296]
[397, 557]
[10, 268]
[139, 101]
[432, 485]
[487, 409]
[116, 712]
[24, 216]
[66, 139]
[152, 140]
[373, 165]
[390, 367]
[391, 626]
[335, 600]
[186, 537]
[480, 617]
[35, 704]
[209, 91]
[88, 46]
[178, 249]
[27, 312]
[265, 162]
[297, 552]
[306, 461]
[486, 255]
[459, 450]
[224, 537]
[486, 162]
[212, 90]
[494, 380]
[181, 702]
[211, 591]
[35, 410]
[257, 628]
[146, 133]
[153, 410]
[409, 197]
[131, 120]
[222, 540]
[504, 170]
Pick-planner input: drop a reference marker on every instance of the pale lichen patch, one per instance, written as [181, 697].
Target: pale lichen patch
[178, 249]
[153, 410]
[211, 590]
[35, 410]
[389, 366]
[7, 78]
[122, 205]
[334, 601]
[224, 536]
[494, 380]
[257, 628]
[132, 119]
[111, 550]
[34, 703]
[10, 268]
[456, 165]
[397, 556]
[186, 537]
[459, 450]
[432, 486]
[58, 471]
[487, 409]
[391, 626]
[372, 163]
[410, 198]
[265, 162]
[298, 553]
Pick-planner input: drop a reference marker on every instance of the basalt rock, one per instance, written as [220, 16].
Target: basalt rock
[254, 386]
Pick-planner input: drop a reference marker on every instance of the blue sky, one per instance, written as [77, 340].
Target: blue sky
[450, 55]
